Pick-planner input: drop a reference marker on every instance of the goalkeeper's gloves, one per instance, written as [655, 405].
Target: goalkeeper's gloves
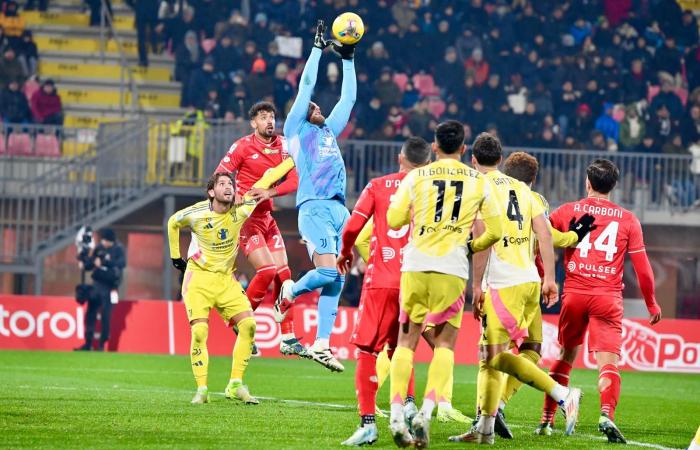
[345, 51]
[180, 264]
[319, 40]
[582, 226]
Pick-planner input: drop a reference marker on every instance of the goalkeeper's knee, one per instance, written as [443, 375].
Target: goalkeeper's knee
[200, 332]
[246, 327]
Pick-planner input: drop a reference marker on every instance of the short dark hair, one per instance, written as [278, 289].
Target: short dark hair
[449, 136]
[521, 166]
[261, 106]
[416, 150]
[487, 149]
[215, 178]
[603, 175]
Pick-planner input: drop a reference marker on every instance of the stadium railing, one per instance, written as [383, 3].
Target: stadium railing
[96, 177]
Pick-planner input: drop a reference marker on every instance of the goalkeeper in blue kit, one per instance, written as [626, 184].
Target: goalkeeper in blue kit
[320, 200]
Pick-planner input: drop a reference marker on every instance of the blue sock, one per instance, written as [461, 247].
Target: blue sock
[328, 307]
[314, 279]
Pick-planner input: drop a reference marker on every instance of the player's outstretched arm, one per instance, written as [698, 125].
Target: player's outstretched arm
[271, 176]
[563, 240]
[175, 222]
[642, 268]
[541, 227]
[300, 107]
[338, 118]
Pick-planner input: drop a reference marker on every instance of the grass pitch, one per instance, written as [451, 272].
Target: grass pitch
[79, 400]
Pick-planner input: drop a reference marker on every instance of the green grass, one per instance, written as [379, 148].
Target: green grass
[78, 400]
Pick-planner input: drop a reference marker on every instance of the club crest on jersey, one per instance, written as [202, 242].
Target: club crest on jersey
[223, 234]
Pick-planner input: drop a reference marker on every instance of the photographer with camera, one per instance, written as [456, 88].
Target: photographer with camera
[106, 261]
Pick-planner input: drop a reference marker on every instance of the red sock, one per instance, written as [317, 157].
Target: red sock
[610, 393]
[559, 371]
[366, 382]
[264, 276]
[284, 274]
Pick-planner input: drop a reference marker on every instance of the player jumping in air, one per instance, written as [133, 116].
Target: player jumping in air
[209, 276]
[523, 167]
[592, 296]
[377, 324]
[261, 240]
[512, 294]
[321, 192]
[441, 201]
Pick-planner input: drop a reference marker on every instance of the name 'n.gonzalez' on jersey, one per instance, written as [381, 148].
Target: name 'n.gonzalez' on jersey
[249, 157]
[386, 245]
[441, 201]
[512, 259]
[596, 264]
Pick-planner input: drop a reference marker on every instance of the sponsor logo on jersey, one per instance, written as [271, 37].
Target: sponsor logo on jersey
[571, 266]
[388, 254]
[510, 240]
[270, 151]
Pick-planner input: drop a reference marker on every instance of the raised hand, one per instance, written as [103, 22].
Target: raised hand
[319, 40]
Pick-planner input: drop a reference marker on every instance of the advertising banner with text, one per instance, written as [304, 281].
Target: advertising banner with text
[57, 323]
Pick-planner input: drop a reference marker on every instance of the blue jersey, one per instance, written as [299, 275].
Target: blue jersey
[314, 148]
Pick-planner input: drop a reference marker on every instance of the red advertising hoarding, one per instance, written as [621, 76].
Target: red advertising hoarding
[56, 323]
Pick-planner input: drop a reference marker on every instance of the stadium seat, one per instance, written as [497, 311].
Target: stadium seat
[2, 143]
[19, 144]
[47, 145]
[436, 107]
[401, 80]
[425, 84]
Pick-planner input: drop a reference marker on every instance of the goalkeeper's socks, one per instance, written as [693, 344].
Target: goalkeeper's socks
[559, 372]
[314, 279]
[609, 387]
[328, 307]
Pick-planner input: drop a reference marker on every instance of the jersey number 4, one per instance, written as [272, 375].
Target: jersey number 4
[604, 243]
[441, 185]
[513, 210]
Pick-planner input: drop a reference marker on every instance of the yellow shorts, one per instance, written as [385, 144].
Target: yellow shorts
[432, 297]
[509, 313]
[203, 291]
[534, 330]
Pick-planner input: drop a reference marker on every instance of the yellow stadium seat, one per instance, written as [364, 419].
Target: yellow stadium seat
[82, 45]
[71, 121]
[55, 69]
[111, 98]
[37, 18]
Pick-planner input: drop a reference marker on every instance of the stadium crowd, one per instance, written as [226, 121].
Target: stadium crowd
[578, 73]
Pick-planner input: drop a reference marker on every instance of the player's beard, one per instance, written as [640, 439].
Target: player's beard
[267, 132]
[317, 119]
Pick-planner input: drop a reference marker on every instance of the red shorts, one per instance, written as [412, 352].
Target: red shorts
[260, 231]
[377, 321]
[604, 315]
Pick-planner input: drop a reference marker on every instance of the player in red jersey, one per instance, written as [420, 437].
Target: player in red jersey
[261, 240]
[377, 324]
[592, 297]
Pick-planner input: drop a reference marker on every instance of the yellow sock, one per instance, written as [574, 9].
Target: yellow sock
[512, 384]
[446, 391]
[480, 385]
[524, 370]
[489, 387]
[243, 348]
[401, 367]
[439, 373]
[199, 355]
[383, 367]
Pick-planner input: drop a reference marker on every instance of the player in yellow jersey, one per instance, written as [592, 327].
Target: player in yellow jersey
[512, 286]
[524, 167]
[209, 281]
[441, 201]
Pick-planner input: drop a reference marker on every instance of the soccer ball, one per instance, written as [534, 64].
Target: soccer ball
[348, 28]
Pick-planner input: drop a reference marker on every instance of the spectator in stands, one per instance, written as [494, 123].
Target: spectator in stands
[259, 84]
[668, 58]
[4, 42]
[632, 129]
[692, 67]
[202, 80]
[238, 105]
[419, 119]
[662, 125]
[598, 141]
[495, 96]
[46, 105]
[377, 58]
[188, 57]
[674, 145]
[687, 33]
[12, 22]
[635, 86]
[449, 73]
[14, 107]
[403, 14]
[27, 54]
[10, 69]
[146, 20]
[213, 109]
[386, 132]
[169, 12]
[668, 98]
[583, 124]
[283, 90]
[386, 89]
[691, 126]
[477, 67]
[565, 105]
[96, 11]
[607, 125]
